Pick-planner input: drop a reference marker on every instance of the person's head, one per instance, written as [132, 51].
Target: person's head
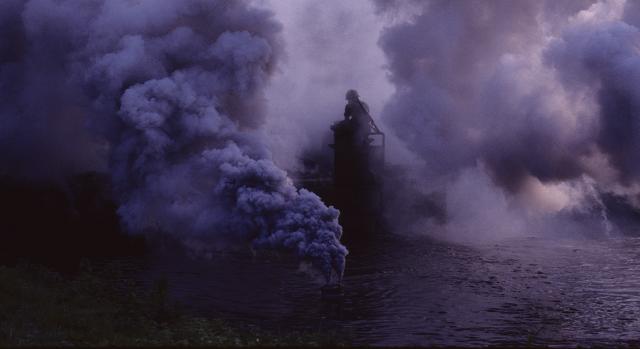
[352, 95]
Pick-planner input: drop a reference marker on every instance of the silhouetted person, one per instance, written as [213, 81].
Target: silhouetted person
[354, 128]
[356, 114]
[357, 120]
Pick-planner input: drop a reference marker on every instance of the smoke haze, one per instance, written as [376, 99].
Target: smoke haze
[503, 118]
[330, 48]
[516, 108]
[169, 96]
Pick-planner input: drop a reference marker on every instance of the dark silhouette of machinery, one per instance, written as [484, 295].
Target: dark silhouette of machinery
[359, 150]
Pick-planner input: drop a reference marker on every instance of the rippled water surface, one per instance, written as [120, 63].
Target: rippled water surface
[414, 291]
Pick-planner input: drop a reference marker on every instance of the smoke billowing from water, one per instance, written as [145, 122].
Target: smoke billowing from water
[517, 105]
[169, 97]
[519, 115]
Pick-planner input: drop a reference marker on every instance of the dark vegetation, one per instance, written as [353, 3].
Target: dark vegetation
[620, 210]
[50, 296]
[59, 224]
[40, 307]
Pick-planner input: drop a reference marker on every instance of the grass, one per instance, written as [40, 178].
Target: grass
[39, 307]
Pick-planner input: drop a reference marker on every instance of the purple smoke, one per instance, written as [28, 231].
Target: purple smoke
[539, 96]
[169, 97]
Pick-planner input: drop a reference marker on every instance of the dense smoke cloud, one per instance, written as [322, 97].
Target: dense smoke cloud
[330, 48]
[517, 114]
[169, 96]
[539, 96]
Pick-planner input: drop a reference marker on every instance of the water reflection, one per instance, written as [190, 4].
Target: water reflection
[414, 291]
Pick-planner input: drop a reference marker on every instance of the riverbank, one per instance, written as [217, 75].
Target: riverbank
[40, 307]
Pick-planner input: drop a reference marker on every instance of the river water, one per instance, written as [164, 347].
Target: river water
[401, 290]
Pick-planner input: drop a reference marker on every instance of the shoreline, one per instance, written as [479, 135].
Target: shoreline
[41, 307]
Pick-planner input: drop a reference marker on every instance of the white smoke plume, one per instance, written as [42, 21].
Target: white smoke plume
[539, 96]
[169, 96]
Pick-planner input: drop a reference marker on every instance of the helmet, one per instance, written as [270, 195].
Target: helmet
[351, 95]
